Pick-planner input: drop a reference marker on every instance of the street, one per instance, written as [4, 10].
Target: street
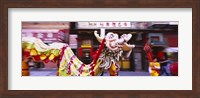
[52, 72]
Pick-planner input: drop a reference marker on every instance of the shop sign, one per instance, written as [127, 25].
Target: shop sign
[47, 36]
[113, 24]
[73, 41]
[104, 25]
[40, 35]
[43, 36]
[45, 25]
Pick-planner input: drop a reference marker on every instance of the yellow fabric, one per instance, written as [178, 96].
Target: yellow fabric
[37, 48]
[113, 70]
[70, 65]
[154, 73]
[154, 65]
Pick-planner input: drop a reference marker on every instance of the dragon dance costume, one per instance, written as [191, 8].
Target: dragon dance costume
[35, 48]
[69, 65]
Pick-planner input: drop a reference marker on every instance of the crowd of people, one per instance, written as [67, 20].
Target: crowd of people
[163, 66]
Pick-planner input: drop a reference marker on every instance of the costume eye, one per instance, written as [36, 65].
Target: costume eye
[111, 36]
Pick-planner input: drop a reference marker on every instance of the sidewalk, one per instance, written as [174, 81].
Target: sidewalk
[52, 72]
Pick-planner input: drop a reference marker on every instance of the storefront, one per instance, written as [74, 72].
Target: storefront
[85, 33]
[48, 36]
[48, 32]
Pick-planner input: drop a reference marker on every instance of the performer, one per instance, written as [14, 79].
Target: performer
[154, 67]
[114, 46]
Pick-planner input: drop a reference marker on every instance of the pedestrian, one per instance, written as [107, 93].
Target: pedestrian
[165, 63]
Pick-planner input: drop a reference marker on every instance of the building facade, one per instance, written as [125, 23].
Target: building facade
[161, 36]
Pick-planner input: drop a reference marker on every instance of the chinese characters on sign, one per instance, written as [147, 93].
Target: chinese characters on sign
[104, 24]
[48, 36]
[113, 24]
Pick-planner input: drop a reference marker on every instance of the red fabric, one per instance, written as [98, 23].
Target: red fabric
[80, 52]
[55, 59]
[62, 53]
[157, 70]
[174, 68]
[99, 51]
[160, 55]
[91, 51]
[81, 68]
[147, 49]
[36, 58]
[150, 56]
[46, 60]
[92, 73]
[26, 53]
[94, 54]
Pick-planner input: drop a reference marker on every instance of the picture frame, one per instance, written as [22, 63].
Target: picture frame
[6, 4]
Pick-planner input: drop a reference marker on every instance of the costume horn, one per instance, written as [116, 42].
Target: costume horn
[98, 37]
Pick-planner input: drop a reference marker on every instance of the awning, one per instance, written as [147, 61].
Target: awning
[159, 44]
[171, 49]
